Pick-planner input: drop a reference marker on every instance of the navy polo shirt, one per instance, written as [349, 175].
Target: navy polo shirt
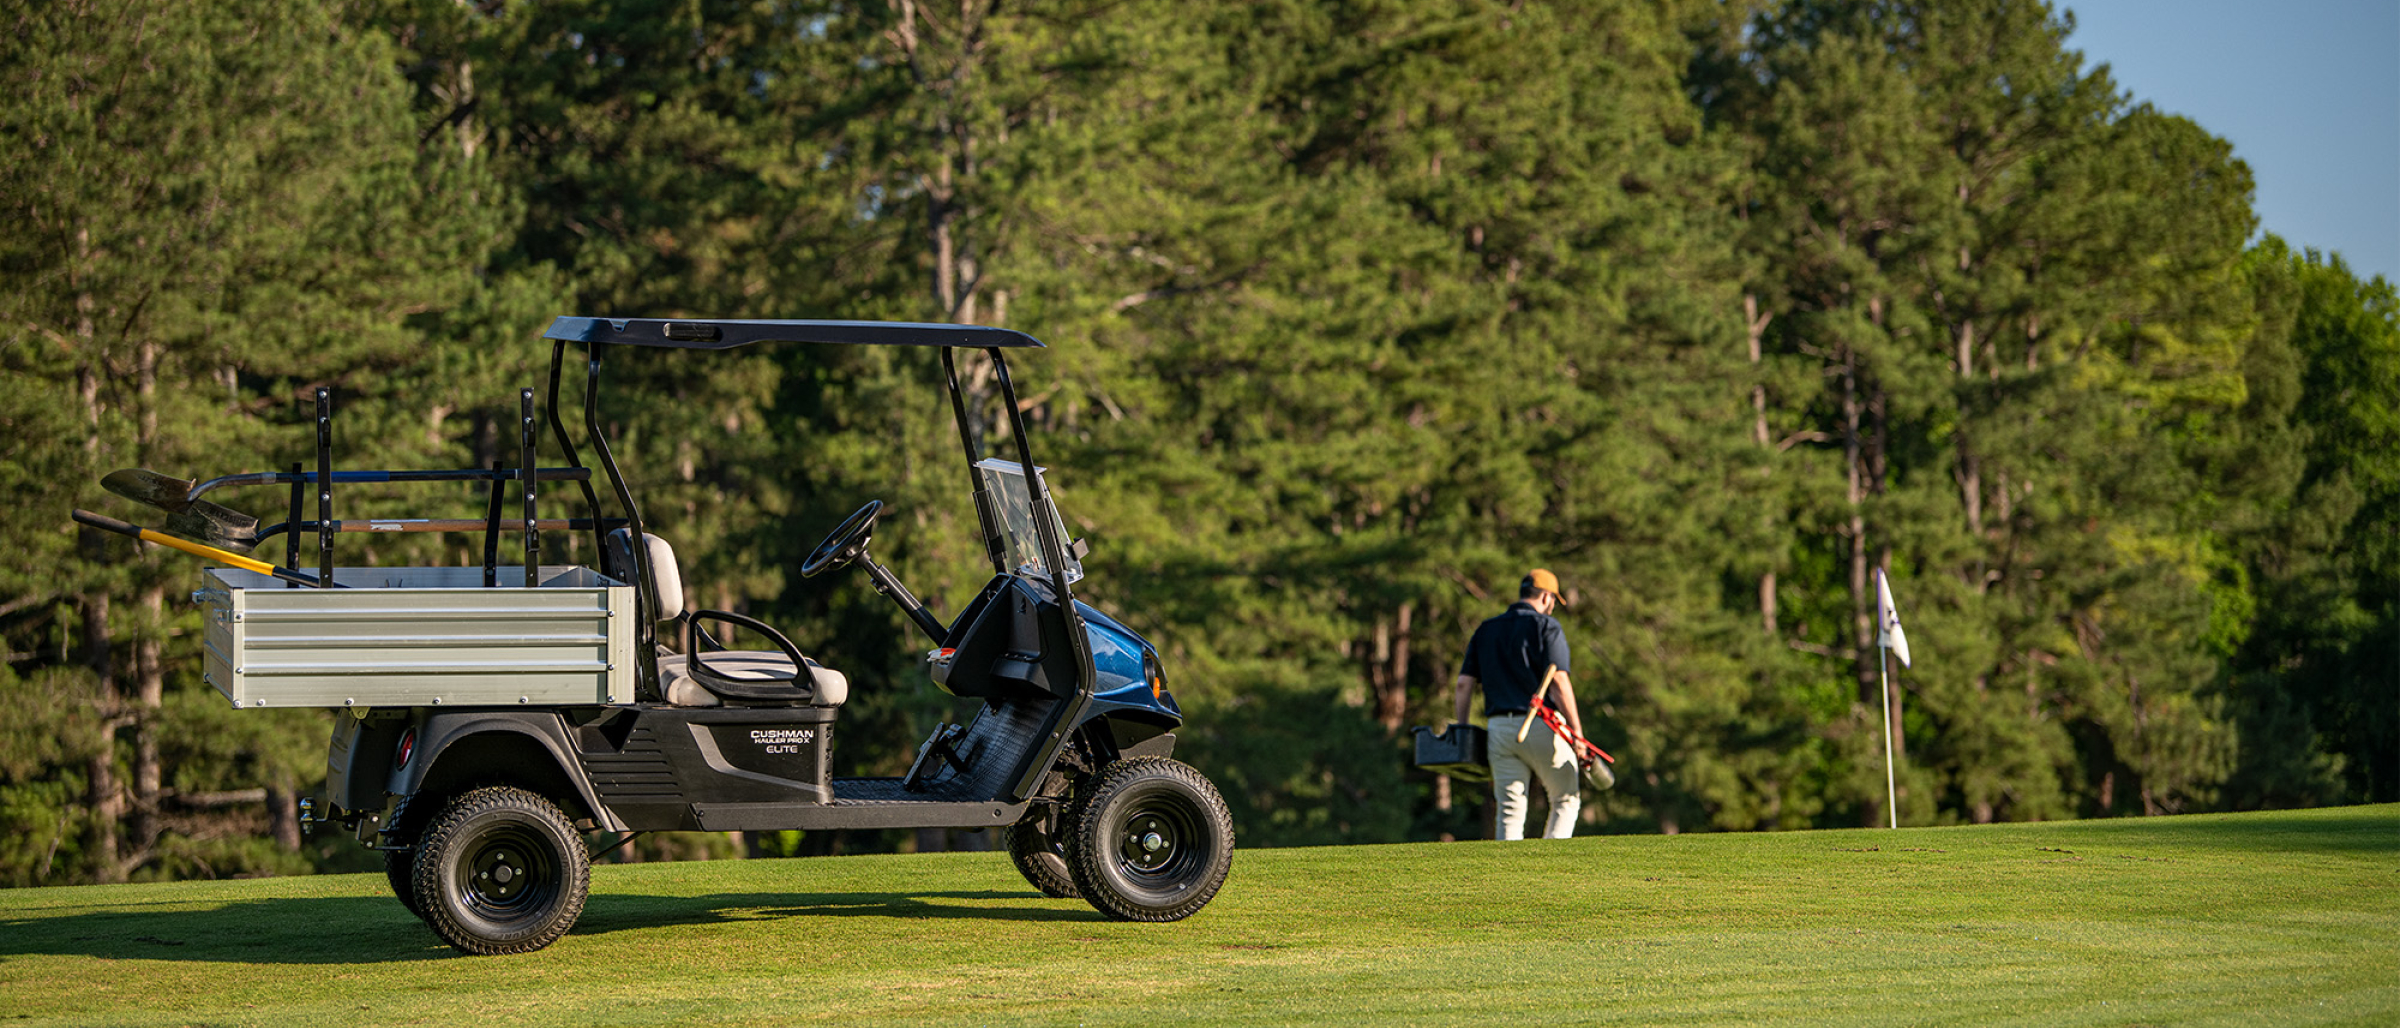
[1508, 654]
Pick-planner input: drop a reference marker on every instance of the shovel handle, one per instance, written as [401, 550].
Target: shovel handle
[1534, 709]
[109, 524]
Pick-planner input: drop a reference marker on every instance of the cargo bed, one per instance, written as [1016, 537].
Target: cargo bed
[419, 636]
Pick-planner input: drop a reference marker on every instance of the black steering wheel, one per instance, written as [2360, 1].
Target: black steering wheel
[845, 544]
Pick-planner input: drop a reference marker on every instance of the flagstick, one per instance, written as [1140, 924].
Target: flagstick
[1883, 672]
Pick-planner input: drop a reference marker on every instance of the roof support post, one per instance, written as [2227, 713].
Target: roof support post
[558, 430]
[646, 614]
[985, 522]
[1069, 714]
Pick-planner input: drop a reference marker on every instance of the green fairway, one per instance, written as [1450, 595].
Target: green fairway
[2282, 918]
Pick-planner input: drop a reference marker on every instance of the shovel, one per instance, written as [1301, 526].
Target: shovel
[110, 524]
[197, 520]
[225, 528]
[1538, 692]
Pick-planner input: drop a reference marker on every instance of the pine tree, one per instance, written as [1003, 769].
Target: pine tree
[217, 206]
[1942, 187]
[2313, 676]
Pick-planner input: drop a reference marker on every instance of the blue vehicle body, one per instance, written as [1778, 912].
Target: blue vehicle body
[1122, 664]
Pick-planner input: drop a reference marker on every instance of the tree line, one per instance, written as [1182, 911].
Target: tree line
[1356, 310]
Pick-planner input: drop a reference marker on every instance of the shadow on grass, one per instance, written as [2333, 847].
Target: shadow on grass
[369, 930]
[325, 930]
[620, 912]
[2346, 830]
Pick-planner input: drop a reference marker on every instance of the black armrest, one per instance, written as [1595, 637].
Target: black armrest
[747, 688]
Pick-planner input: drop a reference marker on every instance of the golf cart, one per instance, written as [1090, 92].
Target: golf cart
[486, 725]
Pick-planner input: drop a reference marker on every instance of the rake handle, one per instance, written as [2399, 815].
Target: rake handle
[430, 525]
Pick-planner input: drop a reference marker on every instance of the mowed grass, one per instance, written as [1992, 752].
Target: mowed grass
[2280, 918]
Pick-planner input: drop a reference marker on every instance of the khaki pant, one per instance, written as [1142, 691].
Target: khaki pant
[1515, 763]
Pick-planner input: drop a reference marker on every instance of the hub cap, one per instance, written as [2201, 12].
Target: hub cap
[1155, 842]
[508, 874]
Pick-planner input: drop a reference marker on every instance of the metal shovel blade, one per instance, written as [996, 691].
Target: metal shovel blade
[147, 487]
[196, 520]
[1599, 776]
[205, 522]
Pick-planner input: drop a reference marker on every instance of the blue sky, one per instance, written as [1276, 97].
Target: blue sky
[2307, 91]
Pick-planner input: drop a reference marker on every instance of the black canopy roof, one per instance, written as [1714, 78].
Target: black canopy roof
[703, 334]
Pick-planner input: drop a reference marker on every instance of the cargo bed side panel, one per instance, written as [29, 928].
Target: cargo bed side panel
[412, 637]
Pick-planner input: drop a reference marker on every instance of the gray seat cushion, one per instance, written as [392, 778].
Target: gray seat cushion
[674, 676]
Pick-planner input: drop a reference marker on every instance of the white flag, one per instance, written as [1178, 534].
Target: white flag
[1887, 620]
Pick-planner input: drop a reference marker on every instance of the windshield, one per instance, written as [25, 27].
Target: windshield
[1012, 504]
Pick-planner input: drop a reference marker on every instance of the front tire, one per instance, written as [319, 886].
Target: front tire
[501, 870]
[1153, 842]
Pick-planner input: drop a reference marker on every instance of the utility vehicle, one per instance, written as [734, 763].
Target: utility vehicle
[489, 722]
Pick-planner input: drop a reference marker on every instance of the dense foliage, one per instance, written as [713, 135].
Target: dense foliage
[1357, 309]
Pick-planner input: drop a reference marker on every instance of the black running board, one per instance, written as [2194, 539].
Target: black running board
[776, 817]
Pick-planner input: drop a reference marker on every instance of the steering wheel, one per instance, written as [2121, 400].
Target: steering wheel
[848, 540]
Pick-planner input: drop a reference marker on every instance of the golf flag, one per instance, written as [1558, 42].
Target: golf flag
[1887, 620]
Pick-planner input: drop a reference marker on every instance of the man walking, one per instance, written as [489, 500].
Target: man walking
[1508, 656]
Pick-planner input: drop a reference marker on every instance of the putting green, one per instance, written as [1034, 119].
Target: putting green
[2276, 918]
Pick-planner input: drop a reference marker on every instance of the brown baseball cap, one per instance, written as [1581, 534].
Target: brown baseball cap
[1542, 579]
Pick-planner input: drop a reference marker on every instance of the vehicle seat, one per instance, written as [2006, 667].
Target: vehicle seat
[767, 667]
[744, 678]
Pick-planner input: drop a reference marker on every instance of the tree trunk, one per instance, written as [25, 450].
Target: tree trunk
[1757, 324]
[150, 687]
[102, 794]
[149, 676]
[283, 817]
[1766, 603]
[1969, 473]
[107, 805]
[1966, 349]
[1970, 486]
[956, 287]
[1387, 669]
[1862, 602]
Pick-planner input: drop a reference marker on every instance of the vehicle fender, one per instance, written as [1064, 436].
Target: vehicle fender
[1127, 733]
[358, 763]
[459, 750]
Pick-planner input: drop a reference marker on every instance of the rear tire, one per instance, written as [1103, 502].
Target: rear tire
[1041, 859]
[501, 870]
[1153, 841]
[400, 869]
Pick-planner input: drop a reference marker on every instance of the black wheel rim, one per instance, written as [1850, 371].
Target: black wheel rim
[510, 874]
[1161, 846]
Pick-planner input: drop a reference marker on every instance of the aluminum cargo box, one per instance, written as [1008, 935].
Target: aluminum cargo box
[413, 637]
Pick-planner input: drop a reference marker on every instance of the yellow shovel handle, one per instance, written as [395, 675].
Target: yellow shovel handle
[1536, 705]
[195, 549]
